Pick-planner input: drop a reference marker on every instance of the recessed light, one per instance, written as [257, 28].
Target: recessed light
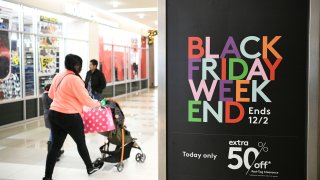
[115, 4]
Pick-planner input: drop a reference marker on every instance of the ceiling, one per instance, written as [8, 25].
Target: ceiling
[131, 9]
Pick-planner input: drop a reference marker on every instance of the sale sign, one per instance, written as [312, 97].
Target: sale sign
[236, 89]
[205, 64]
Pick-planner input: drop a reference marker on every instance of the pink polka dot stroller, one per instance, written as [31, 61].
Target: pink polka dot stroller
[121, 138]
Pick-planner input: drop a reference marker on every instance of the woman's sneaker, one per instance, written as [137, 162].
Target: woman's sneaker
[45, 178]
[61, 152]
[96, 167]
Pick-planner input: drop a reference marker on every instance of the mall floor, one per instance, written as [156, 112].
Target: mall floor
[23, 148]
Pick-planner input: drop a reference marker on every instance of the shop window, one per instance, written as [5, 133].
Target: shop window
[29, 65]
[128, 64]
[28, 17]
[9, 16]
[49, 50]
[134, 63]
[105, 53]
[119, 59]
[10, 72]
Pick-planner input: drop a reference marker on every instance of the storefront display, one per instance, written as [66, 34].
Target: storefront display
[119, 55]
[134, 59]
[105, 53]
[10, 80]
[49, 49]
[5, 63]
[33, 44]
[28, 19]
[125, 51]
[29, 65]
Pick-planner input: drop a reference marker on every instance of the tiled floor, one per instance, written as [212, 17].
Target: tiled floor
[22, 155]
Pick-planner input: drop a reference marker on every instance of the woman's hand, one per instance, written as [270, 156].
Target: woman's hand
[103, 102]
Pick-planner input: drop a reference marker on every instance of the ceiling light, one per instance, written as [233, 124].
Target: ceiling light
[141, 16]
[156, 23]
[151, 9]
[115, 4]
[118, 17]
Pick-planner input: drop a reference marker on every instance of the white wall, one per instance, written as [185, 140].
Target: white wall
[58, 6]
[156, 65]
[94, 41]
[79, 48]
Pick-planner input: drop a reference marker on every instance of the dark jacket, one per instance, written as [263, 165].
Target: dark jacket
[98, 82]
[46, 102]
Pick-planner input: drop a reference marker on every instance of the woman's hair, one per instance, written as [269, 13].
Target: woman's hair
[71, 61]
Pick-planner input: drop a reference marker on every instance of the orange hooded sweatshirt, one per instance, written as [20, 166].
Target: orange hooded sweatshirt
[71, 95]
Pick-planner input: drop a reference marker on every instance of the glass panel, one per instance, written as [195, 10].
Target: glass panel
[49, 57]
[119, 55]
[134, 63]
[49, 50]
[28, 25]
[105, 54]
[29, 65]
[128, 64]
[9, 16]
[10, 72]
[49, 26]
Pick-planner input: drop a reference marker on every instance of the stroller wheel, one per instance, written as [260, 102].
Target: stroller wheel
[120, 166]
[98, 162]
[143, 158]
[140, 157]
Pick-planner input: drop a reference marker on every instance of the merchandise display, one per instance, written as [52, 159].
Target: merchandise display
[32, 41]
[29, 73]
[10, 88]
[10, 72]
[123, 55]
[49, 46]
[4, 55]
[4, 23]
[48, 50]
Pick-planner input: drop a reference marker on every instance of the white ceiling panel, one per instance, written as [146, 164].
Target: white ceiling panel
[131, 9]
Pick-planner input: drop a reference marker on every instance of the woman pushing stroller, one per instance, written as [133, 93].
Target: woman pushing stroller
[69, 95]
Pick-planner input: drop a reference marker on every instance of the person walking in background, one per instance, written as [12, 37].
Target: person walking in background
[69, 96]
[46, 102]
[95, 81]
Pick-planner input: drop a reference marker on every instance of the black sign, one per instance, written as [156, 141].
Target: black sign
[237, 89]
